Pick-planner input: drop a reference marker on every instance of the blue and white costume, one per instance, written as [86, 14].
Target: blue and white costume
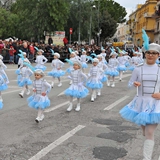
[104, 57]
[2, 71]
[121, 65]
[24, 78]
[103, 67]
[144, 109]
[84, 61]
[41, 60]
[57, 71]
[94, 78]
[77, 88]
[134, 63]
[37, 101]
[112, 67]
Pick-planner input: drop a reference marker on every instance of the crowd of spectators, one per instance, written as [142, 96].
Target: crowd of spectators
[10, 50]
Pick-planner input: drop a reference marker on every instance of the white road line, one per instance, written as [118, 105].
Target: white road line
[56, 143]
[115, 103]
[12, 91]
[57, 106]
[62, 93]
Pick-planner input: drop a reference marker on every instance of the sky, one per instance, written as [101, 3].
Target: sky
[130, 5]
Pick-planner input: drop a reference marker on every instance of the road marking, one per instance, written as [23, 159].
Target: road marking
[115, 103]
[57, 106]
[12, 91]
[62, 93]
[56, 143]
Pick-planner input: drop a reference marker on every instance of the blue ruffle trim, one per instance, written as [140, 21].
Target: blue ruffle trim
[56, 74]
[110, 73]
[84, 65]
[68, 70]
[77, 93]
[94, 85]
[104, 79]
[3, 87]
[24, 82]
[131, 68]
[142, 118]
[37, 105]
[1, 105]
[17, 71]
[127, 64]
[43, 68]
[121, 68]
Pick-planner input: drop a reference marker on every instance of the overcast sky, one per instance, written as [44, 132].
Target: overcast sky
[130, 5]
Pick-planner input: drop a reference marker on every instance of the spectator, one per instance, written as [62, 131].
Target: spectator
[50, 40]
[65, 41]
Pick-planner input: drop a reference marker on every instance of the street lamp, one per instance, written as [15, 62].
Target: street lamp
[79, 25]
[90, 26]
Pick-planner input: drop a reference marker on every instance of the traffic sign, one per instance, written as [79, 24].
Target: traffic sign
[70, 30]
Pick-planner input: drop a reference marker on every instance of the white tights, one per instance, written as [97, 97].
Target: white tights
[148, 131]
[59, 80]
[71, 100]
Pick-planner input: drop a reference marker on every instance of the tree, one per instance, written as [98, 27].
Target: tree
[35, 17]
[114, 9]
[8, 23]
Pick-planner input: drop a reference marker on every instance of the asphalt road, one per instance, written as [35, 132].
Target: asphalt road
[97, 132]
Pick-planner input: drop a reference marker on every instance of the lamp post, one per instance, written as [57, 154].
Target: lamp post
[79, 25]
[99, 30]
[90, 25]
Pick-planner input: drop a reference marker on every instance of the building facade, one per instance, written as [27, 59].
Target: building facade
[142, 19]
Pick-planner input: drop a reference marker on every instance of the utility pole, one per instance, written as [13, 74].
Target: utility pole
[79, 26]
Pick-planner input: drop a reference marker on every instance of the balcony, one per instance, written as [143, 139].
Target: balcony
[147, 15]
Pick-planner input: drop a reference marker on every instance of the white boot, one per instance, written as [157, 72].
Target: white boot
[21, 93]
[99, 93]
[70, 82]
[28, 92]
[70, 107]
[1, 99]
[113, 84]
[78, 107]
[41, 117]
[94, 95]
[60, 84]
[52, 84]
[108, 83]
[148, 149]
[92, 98]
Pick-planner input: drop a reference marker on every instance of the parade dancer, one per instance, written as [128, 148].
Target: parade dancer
[24, 79]
[84, 60]
[121, 66]
[144, 109]
[70, 61]
[77, 88]
[103, 53]
[40, 60]
[112, 68]
[94, 79]
[57, 69]
[103, 67]
[39, 100]
[3, 67]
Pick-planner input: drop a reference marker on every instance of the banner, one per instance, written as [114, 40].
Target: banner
[56, 36]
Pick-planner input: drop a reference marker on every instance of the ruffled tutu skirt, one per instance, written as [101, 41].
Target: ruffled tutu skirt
[42, 67]
[104, 78]
[142, 111]
[1, 105]
[3, 87]
[17, 71]
[78, 91]
[94, 84]
[56, 73]
[84, 65]
[121, 68]
[23, 81]
[131, 68]
[38, 101]
[127, 64]
[69, 70]
[112, 72]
